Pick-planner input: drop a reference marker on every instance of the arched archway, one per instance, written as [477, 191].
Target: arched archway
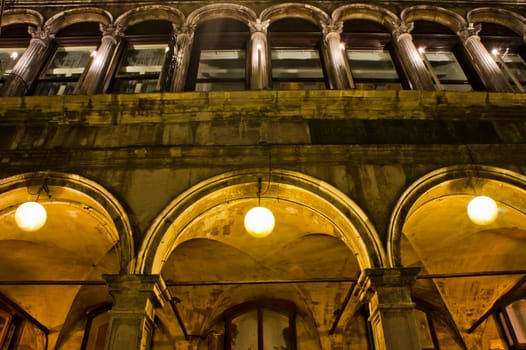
[469, 266]
[199, 245]
[87, 234]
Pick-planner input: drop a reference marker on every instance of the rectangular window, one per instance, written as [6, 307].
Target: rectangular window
[514, 69]
[373, 69]
[221, 70]
[301, 68]
[516, 313]
[448, 70]
[63, 71]
[139, 68]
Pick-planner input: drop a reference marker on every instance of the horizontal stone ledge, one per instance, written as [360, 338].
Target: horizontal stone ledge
[289, 156]
[295, 104]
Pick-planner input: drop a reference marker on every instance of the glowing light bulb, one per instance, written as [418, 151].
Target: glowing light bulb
[259, 222]
[482, 210]
[30, 216]
[421, 50]
[14, 55]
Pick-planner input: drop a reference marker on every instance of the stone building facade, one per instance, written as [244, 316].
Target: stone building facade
[147, 130]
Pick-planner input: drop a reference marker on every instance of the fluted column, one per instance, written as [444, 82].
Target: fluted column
[484, 64]
[340, 76]
[95, 77]
[392, 318]
[179, 59]
[416, 72]
[30, 63]
[135, 298]
[258, 55]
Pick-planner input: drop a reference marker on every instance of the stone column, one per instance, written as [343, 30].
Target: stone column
[416, 72]
[484, 64]
[393, 323]
[93, 82]
[30, 63]
[179, 59]
[258, 56]
[340, 76]
[135, 298]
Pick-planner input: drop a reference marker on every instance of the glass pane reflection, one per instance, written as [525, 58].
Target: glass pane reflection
[292, 64]
[371, 64]
[276, 334]
[245, 331]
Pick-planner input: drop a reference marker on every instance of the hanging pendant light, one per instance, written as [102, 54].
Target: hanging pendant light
[259, 221]
[31, 216]
[482, 210]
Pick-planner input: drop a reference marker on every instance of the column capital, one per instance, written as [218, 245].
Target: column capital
[42, 35]
[259, 26]
[186, 29]
[403, 28]
[392, 277]
[150, 286]
[469, 31]
[111, 31]
[334, 27]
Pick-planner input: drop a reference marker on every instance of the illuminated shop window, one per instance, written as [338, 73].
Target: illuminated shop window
[513, 321]
[219, 59]
[139, 68]
[62, 73]
[296, 62]
[260, 326]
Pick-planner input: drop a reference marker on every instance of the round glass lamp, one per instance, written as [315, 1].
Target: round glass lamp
[259, 222]
[30, 216]
[482, 210]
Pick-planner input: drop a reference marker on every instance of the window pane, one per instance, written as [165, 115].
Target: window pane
[245, 331]
[143, 59]
[69, 61]
[8, 58]
[276, 335]
[290, 64]
[220, 86]
[371, 64]
[221, 64]
[446, 66]
[516, 64]
[517, 316]
[50, 88]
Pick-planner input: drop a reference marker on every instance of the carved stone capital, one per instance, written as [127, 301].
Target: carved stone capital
[40, 35]
[336, 27]
[403, 28]
[259, 26]
[186, 30]
[112, 32]
[469, 31]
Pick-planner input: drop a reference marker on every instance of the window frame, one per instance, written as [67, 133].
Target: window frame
[222, 40]
[296, 40]
[127, 40]
[283, 307]
[66, 42]
[506, 327]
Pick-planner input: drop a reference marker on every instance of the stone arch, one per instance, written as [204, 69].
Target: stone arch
[78, 15]
[217, 11]
[79, 192]
[151, 12]
[351, 224]
[445, 182]
[436, 14]
[303, 11]
[506, 18]
[368, 12]
[28, 16]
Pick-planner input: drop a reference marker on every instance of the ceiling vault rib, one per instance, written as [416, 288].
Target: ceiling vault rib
[170, 283]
